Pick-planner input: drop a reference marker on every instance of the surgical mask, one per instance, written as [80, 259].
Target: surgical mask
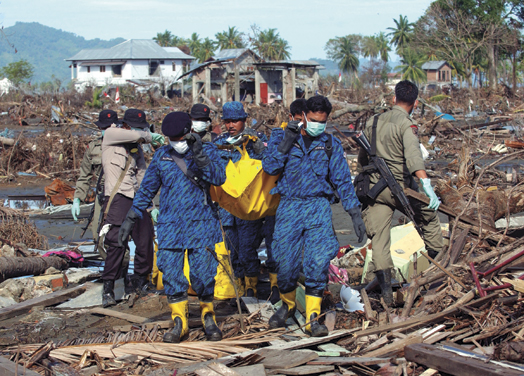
[233, 139]
[181, 147]
[315, 129]
[200, 126]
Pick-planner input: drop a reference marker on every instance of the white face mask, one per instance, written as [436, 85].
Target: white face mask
[181, 147]
[234, 139]
[200, 126]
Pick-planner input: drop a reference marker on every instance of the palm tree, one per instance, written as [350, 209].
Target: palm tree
[370, 47]
[383, 46]
[402, 33]
[194, 43]
[346, 55]
[230, 38]
[206, 50]
[270, 46]
[163, 39]
[177, 41]
[411, 66]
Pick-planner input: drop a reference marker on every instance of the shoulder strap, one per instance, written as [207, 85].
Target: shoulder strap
[329, 146]
[181, 163]
[117, 185]
[374, 136]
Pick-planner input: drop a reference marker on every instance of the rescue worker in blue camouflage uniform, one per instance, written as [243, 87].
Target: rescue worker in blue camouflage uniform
[201, 122]
[313, 170]
[187, 219]
[242, 237]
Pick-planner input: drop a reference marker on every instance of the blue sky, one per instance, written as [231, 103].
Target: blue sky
[306, 25]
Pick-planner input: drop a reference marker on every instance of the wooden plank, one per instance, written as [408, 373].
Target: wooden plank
[253, 305]
[282, 359]
[446, 209]
[222, 369]
[458, 245]
[166, 324]
[44, 300]
[331, 347]
[306, 370]
[121, 315]
[347, 361]
[9, 368]
[395, 348]
[454, 364]
[331, 319]
[370, 313]
[206, 372]
[313, 341]
[256, 370]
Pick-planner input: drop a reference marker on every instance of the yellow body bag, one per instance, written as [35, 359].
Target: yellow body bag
[245, 194]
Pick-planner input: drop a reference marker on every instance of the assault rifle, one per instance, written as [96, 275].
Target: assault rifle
[387, 180]
[89, 219]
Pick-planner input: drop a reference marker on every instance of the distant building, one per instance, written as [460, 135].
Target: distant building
[393, 79]
[135, 61]
[241, 74]
[438, 73]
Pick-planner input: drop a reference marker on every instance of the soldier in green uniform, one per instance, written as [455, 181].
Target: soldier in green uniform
[92, 167]
[397, 142]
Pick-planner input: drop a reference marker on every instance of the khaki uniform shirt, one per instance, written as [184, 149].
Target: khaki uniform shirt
[114, 157]
[397, 143]
[91, 167]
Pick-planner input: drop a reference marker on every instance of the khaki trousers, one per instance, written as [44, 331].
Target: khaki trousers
[377, 218]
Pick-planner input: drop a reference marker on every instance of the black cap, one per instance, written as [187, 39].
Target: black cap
[176, 124]
[106, 118]
[200, 111]
[135, 118]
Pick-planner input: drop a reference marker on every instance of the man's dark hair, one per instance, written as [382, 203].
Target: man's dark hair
[297, 107]
[319, 103]
[406, 92]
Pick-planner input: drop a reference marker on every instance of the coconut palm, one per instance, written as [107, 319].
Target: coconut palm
[269, 45]
[402, 33]
[194, 43]
[230, 38]
[344, 51]
[177, 41]
[163, 39]
[383, 46]
[370, 47]
[411, 66]
[206, 50]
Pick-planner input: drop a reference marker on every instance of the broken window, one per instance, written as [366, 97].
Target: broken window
[153, 66]
[102, 68]
[174, 66]
[117, 70]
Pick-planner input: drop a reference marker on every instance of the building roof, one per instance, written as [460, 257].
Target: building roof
[176, 53]
[434, 65]
[132, 49]
[289, 63]
[229, 54]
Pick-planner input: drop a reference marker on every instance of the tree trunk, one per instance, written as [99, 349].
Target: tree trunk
[11, 267]
[492, 66]
[514, 75]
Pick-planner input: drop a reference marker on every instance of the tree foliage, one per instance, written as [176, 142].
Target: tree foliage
[402, 33]
[344, 51]
[411, 67]
[230, 38]
[18, 72]
[268, 44]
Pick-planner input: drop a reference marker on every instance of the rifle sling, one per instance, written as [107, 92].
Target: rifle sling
[181, 163]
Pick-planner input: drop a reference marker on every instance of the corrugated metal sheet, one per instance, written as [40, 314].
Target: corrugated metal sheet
[132, 49]
[433, 65]
[230, 53]
[176, 53]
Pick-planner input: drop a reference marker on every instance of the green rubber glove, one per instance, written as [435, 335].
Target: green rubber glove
[428, 190]
[158, 139]
[75, 209]
[154, 214]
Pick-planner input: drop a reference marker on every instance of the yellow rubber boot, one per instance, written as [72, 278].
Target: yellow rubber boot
[241, 286]
[251, 286]
[314, 329]
[179, 314]
[275, 295]
[287, 310]
[211, 329]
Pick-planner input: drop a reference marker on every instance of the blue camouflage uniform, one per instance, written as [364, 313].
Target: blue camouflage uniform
[303, 218]
[187, 218]
[242, 237]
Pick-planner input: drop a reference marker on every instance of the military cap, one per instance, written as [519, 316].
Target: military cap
[135, 118]
[233, 111]
[106, 118]
[200, 111]
[176, 124]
